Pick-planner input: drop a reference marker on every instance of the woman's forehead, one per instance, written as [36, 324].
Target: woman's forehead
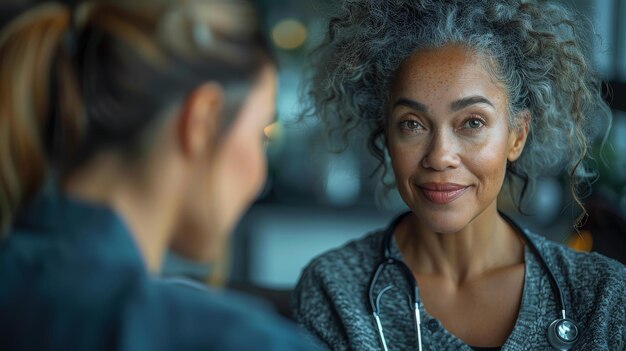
[446, 73]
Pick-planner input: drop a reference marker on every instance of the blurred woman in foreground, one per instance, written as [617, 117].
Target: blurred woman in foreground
[128, 127]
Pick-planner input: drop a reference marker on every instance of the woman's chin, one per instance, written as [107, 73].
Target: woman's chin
[442, 222]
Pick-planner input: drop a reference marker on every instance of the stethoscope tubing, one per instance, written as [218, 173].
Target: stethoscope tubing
[387, 259]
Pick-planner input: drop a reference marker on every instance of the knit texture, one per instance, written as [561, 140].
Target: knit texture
[331, 301]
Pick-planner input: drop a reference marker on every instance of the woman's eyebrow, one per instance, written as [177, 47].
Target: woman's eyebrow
[470, 100]
[415, 105]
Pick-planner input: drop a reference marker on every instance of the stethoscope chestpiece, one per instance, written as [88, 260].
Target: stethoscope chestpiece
[563, 334]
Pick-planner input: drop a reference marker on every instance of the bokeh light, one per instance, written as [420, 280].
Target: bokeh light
[289, 34]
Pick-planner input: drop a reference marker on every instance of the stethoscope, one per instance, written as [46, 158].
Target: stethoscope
[562, 333]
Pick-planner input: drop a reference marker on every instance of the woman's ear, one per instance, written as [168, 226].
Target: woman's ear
[519, 135]
[199, 119]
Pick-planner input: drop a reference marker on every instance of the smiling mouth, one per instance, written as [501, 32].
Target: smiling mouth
[442, 193]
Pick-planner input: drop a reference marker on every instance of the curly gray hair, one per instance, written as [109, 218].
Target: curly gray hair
[536, 50]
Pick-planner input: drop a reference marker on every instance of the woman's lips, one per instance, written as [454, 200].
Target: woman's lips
[442, 193]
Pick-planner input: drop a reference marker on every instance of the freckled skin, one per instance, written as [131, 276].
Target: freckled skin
[443, 149]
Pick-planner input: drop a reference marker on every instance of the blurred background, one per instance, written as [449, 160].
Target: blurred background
[316, 200]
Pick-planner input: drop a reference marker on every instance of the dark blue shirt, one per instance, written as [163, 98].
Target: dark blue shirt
[72, 278]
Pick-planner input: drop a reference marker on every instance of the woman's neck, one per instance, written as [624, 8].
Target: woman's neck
[137, 195]
[486, 243]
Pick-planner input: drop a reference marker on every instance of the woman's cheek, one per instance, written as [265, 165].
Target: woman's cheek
[248, 167]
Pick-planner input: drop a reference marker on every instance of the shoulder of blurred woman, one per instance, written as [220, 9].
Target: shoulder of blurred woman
[199, 316]
[72, 274]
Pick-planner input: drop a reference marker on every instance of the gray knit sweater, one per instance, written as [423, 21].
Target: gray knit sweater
[331, 301]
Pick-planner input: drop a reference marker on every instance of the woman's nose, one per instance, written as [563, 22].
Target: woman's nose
[441, 152]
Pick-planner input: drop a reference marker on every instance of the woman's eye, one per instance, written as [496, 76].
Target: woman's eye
[473, 123]
[410, 125]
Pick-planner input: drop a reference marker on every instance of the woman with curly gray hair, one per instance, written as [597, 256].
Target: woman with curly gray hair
[461, 95]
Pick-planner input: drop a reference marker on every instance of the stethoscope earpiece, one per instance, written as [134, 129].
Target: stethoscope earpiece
[562, 334]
